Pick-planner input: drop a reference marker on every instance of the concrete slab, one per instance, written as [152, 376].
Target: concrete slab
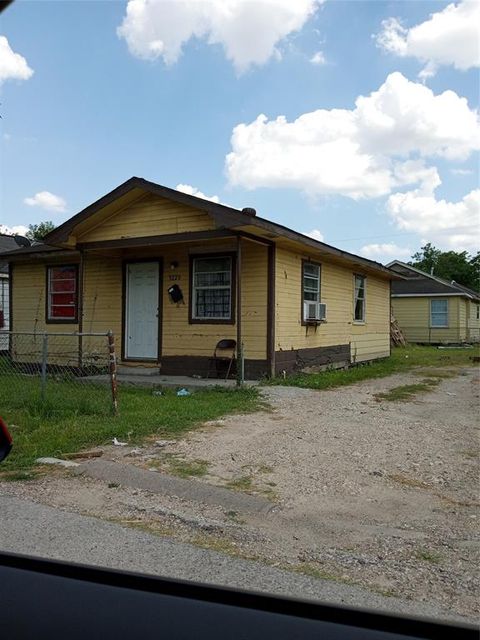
[168, 382]
[132, 476]
[58, 461]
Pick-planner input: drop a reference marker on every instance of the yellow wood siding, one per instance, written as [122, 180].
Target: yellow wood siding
[28, 300]
[413, 316]
[182, 338]
[473, 322]
[28, 315]
[149, 216]
[462, 319]
[368, 340]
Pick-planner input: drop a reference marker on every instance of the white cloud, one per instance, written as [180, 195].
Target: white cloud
[361, 153]
[453, 225]
[48, 201]
[248, 30]
[193, 191]
[384, 252]
[318, 58]
[316, 234]
[19, 230]
[448, 37]
[461, 172]
[13, 66]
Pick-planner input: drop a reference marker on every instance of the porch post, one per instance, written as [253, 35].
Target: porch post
[239, 311]
[271, 309]
[81, 268]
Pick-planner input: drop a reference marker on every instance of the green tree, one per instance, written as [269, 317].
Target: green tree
[37, 232]
[449, 265]
[426, 259]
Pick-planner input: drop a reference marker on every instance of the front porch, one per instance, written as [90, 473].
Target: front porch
[151, 378]
[169, 304]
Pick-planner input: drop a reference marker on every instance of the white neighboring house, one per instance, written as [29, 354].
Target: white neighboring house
[7, 243]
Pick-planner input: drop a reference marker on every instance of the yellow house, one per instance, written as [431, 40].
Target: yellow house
[172, 274]
[431, 310]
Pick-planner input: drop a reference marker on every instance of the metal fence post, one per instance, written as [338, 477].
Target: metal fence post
[113, 371]
[43, 383]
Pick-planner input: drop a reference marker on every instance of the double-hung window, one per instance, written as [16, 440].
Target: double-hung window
[359, 298]
[439, 313]
[212, 292]
[311, 289]
[62, 293]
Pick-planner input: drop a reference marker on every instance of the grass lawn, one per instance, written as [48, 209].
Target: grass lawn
[67, 423]
[402, 359]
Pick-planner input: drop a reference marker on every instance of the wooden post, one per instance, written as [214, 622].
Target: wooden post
[43, 382]
[81, 268]
[113, 371]
[240, 355]
[271, 310]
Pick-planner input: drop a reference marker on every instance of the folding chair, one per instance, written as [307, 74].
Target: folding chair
[220, 358]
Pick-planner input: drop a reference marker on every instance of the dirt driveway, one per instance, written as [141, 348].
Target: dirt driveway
[363, 490]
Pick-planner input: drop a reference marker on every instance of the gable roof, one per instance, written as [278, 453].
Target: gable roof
[417, 282]
[225, 218]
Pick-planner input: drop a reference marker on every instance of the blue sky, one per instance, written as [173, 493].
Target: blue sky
[100, 107]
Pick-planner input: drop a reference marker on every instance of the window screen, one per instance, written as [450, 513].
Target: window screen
[359, 301]
[439, 313]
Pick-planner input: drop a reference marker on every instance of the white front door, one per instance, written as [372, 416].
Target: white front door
[141, 310]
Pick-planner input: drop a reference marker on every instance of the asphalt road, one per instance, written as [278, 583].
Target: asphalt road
[34, 529]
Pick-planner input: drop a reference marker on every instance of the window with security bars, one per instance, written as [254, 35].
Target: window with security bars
[212, 288]
[62, 294]
[359, 299]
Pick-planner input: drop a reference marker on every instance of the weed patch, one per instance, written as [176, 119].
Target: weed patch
[242, 483]
[57, 430]
[187, 468]
[429, 556]
[407, 391]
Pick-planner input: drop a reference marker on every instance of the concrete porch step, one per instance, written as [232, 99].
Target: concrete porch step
[137, 371]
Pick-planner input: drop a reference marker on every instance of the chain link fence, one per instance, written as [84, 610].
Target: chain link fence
[58, 371]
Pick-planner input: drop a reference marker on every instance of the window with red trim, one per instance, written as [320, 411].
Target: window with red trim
[62, 294]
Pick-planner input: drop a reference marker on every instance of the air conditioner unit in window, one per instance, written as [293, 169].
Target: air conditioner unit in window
[315, 311]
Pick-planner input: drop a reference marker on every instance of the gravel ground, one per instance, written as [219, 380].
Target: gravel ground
[375, 493]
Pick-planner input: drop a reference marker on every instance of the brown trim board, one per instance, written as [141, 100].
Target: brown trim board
[153, 241]
[295, 359]
[198, 366]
